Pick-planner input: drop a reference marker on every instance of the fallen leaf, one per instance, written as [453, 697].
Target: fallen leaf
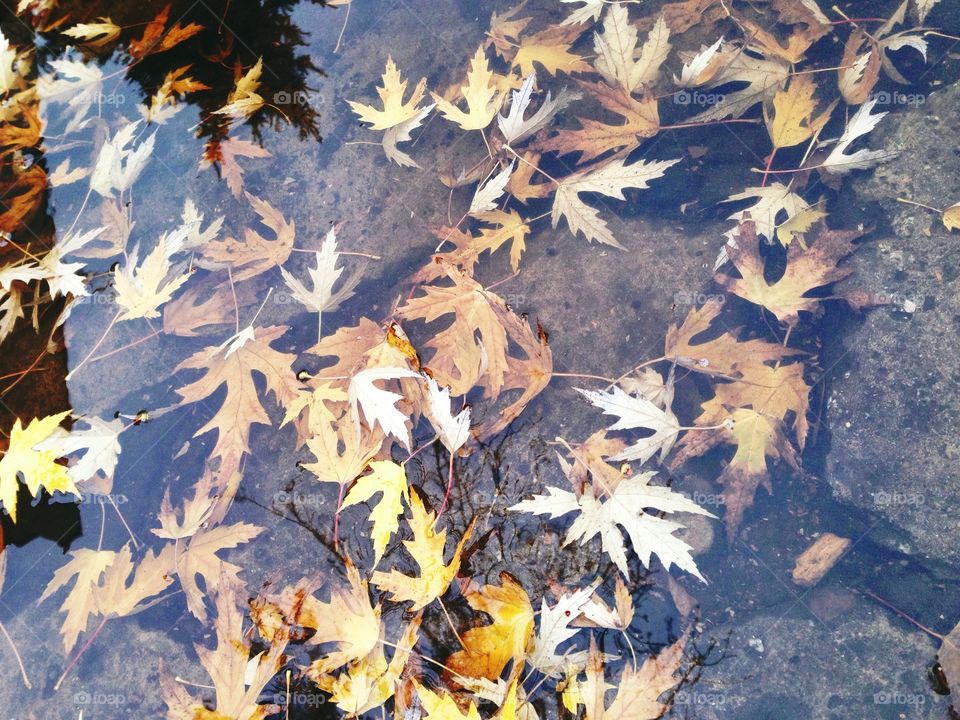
[426, 548]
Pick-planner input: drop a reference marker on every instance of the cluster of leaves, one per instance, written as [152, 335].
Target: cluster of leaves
[378, 396]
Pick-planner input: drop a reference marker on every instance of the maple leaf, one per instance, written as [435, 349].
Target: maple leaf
[792, 121]
[323, 277]
[200, 558]
[588, 12]
[609, 179]
[229, 150]
[505, 30]
[550, 48]
[72, 82]
[189, 316]
[401, 133]
[142, 288]
[699, 68]
[616, 48]
[486, 196]
[756, 436]
[395, 111]
[859, 70]
[772, 201]
[238, 678]
[244, 100]
[807, 269]
[507, 227]
[554, 630]
[379, 406]
[453, 431]
[949, 658]
[370, 681]
[637, 692]
[156, 38]
[241, 407]
[513, 126]
[520, 185]
[443, 707]
[623, 507]
[342, 450]
[426, 548]
[95, 34]
[119, 164]
[196, 511]
[390, 480]
[862, 122]
[255, 254]
[637, 412]
[98, 443]
[763, 75]
[38, 467]
[461, 359]
[347, 621]
[596, 613]
[481, 94]
[487, 649]
[594, 138]
[721, 355]
[87, 566]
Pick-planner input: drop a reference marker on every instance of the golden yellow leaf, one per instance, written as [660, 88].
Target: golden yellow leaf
[798, 225]
[95, 34]
[793, 108]
[38, 468]
[443, 707]
[487, 649]
[550, 48]
[243, 101]
[389, 479]
[481, 94]
[426, 548]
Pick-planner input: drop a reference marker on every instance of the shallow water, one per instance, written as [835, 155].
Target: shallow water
[762, 646]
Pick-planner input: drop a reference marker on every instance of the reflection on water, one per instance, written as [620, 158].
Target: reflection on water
[161, 182]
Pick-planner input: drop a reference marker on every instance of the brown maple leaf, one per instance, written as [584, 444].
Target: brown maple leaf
[241, 407]
[723, 354]
[807, 269]
[254, 254]
[594, 138]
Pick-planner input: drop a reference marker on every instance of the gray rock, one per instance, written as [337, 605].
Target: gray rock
[894, 412]
[838, 660]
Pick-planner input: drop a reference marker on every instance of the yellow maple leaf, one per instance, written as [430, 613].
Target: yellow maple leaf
[95, 34]
[142, 289]
[389, 479]
[487, 649]
[395, 110]
[480, 92]
[38, 468]
[443, 707]
[551, 49]
[244, 99]
[426, 548]
[792, 121]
